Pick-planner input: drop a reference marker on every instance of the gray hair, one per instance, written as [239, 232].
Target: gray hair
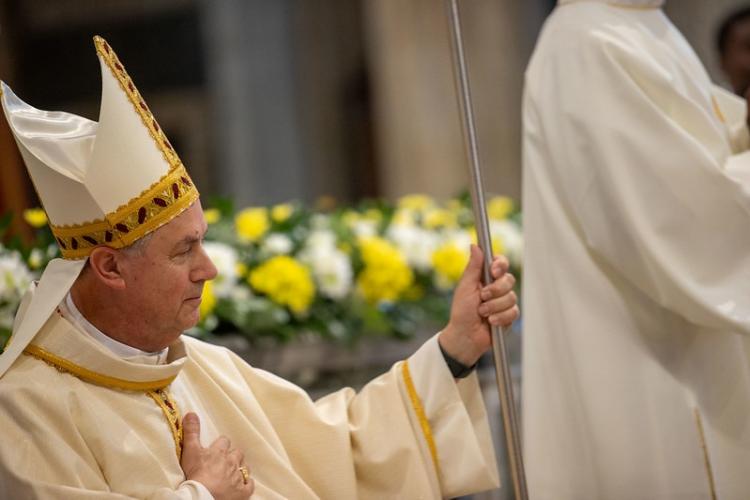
[138, 246]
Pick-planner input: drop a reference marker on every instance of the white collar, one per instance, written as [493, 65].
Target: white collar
[124, 351]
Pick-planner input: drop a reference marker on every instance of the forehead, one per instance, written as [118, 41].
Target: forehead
[189, 223]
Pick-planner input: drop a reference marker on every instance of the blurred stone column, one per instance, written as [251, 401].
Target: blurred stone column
[420, 145]
[250, 71]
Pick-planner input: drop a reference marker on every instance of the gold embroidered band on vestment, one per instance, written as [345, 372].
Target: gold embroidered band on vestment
[66, 366]
[424, 423]
[172, 414]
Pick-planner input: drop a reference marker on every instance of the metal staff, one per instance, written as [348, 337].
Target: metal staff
[499, 353]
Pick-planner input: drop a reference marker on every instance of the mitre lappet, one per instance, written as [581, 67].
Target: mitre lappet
[109, 182]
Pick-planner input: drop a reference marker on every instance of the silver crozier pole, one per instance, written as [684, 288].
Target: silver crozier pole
[499, 352]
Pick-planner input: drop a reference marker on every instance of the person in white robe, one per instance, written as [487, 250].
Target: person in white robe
[636, 381]
[102, 397]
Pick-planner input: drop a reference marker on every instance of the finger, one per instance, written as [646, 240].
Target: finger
[500, 266]
[191, 431]
[505, 318]
[473, 271]
[499, 287]
[236, 457]
[222, 443]
[249, 488]
[498, 305]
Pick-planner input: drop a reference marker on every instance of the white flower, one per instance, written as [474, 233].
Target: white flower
[415, 243]
[225, 259]
[52, 251]
[511, 237]
[332, 274]
[365, 228]
[35, 258]
[15, 279]
[240, 294]
[320, 222]
[277, 243]
[331, 268]
[461, 238]
[321, 240]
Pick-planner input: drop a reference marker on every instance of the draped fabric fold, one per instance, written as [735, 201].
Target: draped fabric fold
[637, 270]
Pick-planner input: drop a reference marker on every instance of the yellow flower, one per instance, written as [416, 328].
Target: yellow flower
[241, 269]
[499, 207]
[212, 215]
[251, 224]
[374, 215]
[285, 281]
[497, 244]
[455, 205]
[282, 212]
[386, 275]
[450, 261]
[439, 217]
[404, 217]
[208, 299]
[35, 217]
[416, 202]
[350, 218]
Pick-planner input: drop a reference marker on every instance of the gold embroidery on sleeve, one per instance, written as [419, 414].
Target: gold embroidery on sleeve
[416, 404]
[172, 413]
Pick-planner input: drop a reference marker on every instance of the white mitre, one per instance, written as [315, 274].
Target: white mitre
[106, 183]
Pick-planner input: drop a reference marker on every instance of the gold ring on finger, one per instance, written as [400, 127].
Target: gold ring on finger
[245, 473]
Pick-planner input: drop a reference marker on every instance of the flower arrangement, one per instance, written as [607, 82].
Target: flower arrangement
[376, 268]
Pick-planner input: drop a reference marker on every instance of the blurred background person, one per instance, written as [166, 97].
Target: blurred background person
[733, 43]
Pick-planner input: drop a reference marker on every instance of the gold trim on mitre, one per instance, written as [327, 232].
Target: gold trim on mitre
[154, 206]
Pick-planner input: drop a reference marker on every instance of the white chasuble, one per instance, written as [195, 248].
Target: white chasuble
[80, 423]
[637, 264]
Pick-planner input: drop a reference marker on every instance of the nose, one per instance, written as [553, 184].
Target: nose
[205, 269]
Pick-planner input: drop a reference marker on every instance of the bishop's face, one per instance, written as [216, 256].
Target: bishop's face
[165, 280]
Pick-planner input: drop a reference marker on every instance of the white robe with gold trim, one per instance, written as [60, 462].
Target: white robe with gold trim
[637, 264]
[77, 423]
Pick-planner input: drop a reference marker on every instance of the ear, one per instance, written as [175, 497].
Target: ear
[106, 265]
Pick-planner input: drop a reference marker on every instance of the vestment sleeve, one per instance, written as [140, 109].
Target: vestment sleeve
[641, 162]
[733, 110]
[413, 432]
